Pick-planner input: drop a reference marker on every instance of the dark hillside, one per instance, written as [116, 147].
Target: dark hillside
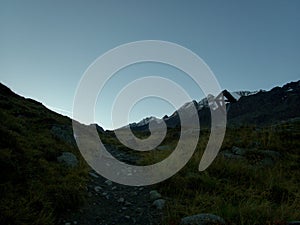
[265, 108]
[34, 187]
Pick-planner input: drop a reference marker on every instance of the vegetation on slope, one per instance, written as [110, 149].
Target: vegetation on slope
[34, 187]
[242, 191]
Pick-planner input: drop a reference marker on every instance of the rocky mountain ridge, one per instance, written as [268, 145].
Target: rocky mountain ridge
[256, 107]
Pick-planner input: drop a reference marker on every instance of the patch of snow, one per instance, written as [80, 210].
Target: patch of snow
[146, 121]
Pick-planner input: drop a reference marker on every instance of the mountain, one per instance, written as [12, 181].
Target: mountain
[244, 107]
[267, 107]
[43, 176]
[237, 95]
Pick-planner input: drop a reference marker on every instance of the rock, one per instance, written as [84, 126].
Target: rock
[100, 129]
[255, 144]
[272, 154]
[121, 200]
[229, 155]
[202, 219]
[108, 182]
[127, 217]
[267, 162]
[154, 195]
[163, 147]
[139, 210]
[159, 204]
[92, 174]
[238, 151]
[67, 223]
[68, 158]
[97, 189]
[127, 203]
[293, 223]
[63, 133]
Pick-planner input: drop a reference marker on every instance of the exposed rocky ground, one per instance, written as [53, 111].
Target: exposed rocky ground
[110, 203]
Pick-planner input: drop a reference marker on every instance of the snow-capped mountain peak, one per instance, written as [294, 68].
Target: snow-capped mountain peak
[146, 121]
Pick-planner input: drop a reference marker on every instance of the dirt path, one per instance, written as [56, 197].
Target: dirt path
[110, 203]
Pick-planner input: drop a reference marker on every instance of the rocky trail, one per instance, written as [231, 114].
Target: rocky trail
[111, 203]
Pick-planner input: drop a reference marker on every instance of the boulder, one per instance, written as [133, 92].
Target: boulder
[267, 162]
[272, 154]
[229, 155]
[238, 151]
[94, 175]
[63, 133]
[159, 204]
[68, 159]
[293, 223]
[202, 219]
[163, 147]
[154, 195]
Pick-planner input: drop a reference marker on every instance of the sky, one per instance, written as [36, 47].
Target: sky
[46, 46]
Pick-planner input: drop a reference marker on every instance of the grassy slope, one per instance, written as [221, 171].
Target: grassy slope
[242, 192]
[34, 187]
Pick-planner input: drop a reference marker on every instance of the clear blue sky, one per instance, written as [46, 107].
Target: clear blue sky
[45, 46]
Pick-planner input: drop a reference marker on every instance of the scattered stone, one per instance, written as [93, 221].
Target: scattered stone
[159, 204]
[141, 188]
[124, 208]
[108, 182]
[92, 174]
[163, 147]
[154, 195]
[127, 217]
[67, 223]
[238, 151]
[229, 155]
[267, 162]
[139, 210]
[293, 223]
[97, 189]
[121, 200]
[272, 154]
[202, 219]
[127, 203]
[113, 188]
[63, 133]
[68, 159]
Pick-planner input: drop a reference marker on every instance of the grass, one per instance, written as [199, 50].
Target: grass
[240, 191]
[34, 187]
